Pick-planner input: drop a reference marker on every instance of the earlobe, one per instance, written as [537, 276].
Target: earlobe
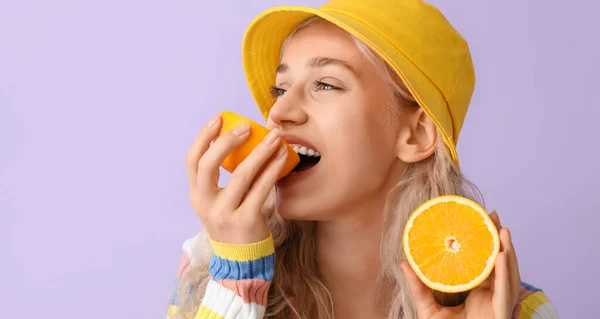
[418, 137]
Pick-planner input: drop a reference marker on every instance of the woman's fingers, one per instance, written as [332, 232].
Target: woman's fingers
[501, 297]
[200, 146]
[209, 163]
[508, 280]
[265, 181]
[496, 219]
[244, 175]
[488, 283]
[513, 265]
[422, 296]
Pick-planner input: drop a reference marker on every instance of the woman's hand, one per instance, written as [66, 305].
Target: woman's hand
[233, 214]
[495, 298]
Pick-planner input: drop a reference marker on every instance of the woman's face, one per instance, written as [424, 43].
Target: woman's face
[332, 100]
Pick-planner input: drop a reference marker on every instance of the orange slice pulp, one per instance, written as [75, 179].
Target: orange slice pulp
[451, 243]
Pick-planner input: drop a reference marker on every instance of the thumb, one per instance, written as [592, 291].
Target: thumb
[423, 299]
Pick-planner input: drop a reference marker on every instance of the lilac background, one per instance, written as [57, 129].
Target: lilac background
[99, 101]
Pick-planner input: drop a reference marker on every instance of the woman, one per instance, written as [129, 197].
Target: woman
[373, 93]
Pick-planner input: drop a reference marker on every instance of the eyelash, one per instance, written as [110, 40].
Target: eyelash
[277, 92]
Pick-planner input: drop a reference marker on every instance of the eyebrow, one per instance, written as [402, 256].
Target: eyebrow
[319, 62]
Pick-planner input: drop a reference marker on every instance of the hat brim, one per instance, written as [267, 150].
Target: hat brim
[266, 34]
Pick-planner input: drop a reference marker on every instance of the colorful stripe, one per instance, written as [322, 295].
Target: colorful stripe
[533, 304]
[261, 268]
[174, 298]
[241, 277]
[185, 262]
[222, 302]
[251, 290]
[172, 310]
[206, 313]
[529, 287]
[244, 253]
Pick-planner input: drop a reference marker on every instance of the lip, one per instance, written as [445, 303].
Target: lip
[292, 139]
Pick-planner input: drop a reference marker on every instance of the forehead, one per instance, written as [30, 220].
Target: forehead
[323, 39]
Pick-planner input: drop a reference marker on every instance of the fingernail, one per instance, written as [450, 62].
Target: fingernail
[242, 129]
[282, 151]
[213, 121]
[272, 136]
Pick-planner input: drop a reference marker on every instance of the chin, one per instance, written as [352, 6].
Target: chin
[298, 198]
[304, 208]
[289, 210]
[296, 208]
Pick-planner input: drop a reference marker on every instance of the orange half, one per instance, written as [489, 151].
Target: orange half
[451, 243]
[257, 134]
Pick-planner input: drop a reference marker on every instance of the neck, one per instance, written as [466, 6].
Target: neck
[349, 260]
[348, 254]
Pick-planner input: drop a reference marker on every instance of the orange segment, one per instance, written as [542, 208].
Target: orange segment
[257, 134]
[451, 243]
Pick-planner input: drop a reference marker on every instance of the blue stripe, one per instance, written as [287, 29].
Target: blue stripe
[175, 296]
[262, 268]
[530, 287]
[174, 300]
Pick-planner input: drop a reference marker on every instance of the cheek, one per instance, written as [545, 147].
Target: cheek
[358, 134]
[356, 147]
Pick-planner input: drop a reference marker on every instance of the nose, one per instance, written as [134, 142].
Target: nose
[287, 111]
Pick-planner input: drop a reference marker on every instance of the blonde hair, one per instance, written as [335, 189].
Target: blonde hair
[296, 289]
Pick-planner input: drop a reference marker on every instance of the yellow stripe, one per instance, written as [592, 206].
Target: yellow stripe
[171, 311]
[530, 304]
[206, 313]
[244, 252]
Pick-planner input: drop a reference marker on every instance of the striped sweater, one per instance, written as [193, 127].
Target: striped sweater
[241, 275]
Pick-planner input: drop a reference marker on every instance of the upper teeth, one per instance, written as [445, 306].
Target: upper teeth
[301, 149]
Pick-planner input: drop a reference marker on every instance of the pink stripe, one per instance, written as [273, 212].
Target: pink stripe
[251, 290]
[185, 261]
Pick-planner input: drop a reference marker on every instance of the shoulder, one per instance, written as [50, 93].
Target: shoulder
[533, 303]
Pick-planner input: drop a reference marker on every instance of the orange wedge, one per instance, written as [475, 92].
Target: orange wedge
[451, 243]
[257, 134]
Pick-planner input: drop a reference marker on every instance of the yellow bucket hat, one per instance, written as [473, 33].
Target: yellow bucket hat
[412, 36]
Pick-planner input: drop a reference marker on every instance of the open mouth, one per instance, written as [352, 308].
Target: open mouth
[308, 157]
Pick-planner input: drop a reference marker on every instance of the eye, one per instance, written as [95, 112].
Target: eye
[276, 91]
[325, 86]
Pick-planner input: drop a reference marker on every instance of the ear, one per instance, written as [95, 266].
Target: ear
[417, 138]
